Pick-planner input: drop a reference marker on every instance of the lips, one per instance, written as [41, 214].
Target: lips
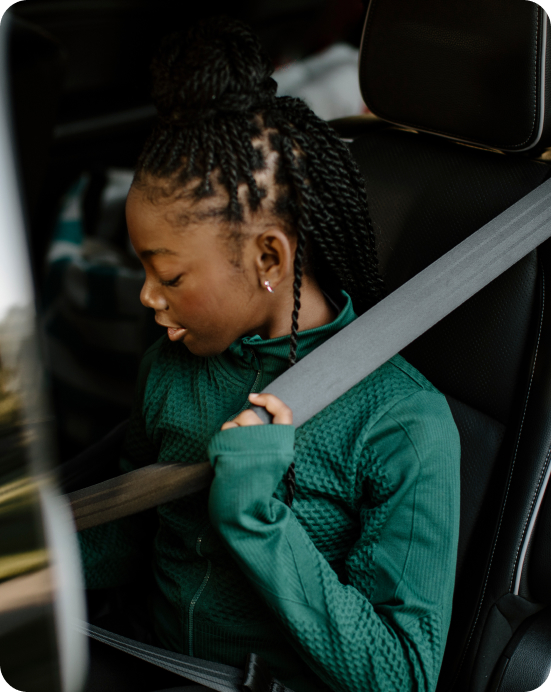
[174, 333]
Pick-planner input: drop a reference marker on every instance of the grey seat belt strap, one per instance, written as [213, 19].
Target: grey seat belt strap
[136, 491]
[383, 331]
[217, 676]
[357, 350]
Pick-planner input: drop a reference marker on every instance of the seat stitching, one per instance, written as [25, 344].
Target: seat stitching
[481, 601]
[527, 523]
[518, 440]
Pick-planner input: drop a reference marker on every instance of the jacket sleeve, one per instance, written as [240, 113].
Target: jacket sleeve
[115, 553]
[385, 629]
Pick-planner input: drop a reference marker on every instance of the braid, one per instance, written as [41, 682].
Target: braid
[208, 148]
[290, 478]
[174, 153]
[245, 155]
[303, 198]
[297, 283]
[230, 171]
[219, 118]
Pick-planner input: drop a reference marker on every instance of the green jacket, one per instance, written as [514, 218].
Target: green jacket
[350, 590]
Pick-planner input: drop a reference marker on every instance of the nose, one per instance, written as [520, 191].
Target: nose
[151, 295]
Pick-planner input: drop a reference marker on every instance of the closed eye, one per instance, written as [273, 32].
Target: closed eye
[172, 282]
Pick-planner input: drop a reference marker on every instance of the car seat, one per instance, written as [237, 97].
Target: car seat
[464, 87]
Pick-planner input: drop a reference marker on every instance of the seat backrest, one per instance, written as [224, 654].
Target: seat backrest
[427, 193]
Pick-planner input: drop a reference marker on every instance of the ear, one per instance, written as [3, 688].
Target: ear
[274, 255]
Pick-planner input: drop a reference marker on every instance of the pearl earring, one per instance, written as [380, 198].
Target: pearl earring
[268, 287]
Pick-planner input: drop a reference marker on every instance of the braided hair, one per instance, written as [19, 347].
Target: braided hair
[218, 116]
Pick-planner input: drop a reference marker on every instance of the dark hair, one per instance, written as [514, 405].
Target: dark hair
[215, 98]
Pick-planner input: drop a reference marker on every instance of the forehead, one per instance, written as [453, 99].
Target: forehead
[167, 221]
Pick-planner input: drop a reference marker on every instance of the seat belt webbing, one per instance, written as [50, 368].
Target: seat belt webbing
[217, 676]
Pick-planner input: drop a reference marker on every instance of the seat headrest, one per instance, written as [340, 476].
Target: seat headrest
[470, 70]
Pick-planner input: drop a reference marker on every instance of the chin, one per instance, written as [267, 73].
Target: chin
[201, 348]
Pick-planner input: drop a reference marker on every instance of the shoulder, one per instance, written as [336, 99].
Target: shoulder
[412, 430]
[395, 412]
[397, 380]
[403, 370]
[393, 406]
[400, 396]
[395, 386]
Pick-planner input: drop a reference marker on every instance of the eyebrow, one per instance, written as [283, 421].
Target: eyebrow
[158, 251]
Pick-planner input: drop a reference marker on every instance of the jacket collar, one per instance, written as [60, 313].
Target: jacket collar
[271, 355]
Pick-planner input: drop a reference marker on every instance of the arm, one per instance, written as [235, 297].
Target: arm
[113, 554]
[386, 628]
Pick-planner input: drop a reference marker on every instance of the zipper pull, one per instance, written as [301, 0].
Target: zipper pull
[254, 359]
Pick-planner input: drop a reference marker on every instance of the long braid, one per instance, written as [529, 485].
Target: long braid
[303, 199]
[290, 478]
[297, 284]
[218, 119]
[302, 229]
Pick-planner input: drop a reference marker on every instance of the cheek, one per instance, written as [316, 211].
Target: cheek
[216, 313]
[215, 297]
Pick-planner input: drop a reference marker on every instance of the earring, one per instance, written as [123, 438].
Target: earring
[268, 287]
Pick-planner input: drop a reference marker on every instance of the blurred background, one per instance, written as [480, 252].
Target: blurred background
[80, 88]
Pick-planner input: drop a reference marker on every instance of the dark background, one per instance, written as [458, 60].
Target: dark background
[80, 88]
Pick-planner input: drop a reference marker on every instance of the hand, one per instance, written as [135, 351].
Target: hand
[281, 412]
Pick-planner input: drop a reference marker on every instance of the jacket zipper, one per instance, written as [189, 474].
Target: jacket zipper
[199, 591]
[197, 594]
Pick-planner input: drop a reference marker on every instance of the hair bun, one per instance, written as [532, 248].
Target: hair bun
[217, 66]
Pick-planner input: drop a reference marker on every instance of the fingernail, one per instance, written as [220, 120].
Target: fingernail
[250, 395]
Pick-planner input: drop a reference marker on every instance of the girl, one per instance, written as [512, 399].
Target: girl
[328, 550]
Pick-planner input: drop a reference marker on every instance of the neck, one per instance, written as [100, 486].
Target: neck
[315, 310]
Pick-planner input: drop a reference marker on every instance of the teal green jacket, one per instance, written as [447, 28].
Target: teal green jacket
[351, 589]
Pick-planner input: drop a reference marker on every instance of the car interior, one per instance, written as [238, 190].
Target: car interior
[458, 130]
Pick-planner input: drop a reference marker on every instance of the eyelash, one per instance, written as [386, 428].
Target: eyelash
[171, 282]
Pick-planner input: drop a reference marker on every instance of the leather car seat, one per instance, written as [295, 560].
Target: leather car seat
[462, 86]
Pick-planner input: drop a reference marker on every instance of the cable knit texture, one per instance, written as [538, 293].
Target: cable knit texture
[351, 589]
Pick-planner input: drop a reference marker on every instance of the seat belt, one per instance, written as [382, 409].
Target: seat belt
[350, 355]
[216, 676]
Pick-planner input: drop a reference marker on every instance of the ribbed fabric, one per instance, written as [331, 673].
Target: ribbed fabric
[350, 590]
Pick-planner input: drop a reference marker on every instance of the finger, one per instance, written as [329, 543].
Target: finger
[228, 425]
[247, 417]
[281, 412]
[244, 419]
